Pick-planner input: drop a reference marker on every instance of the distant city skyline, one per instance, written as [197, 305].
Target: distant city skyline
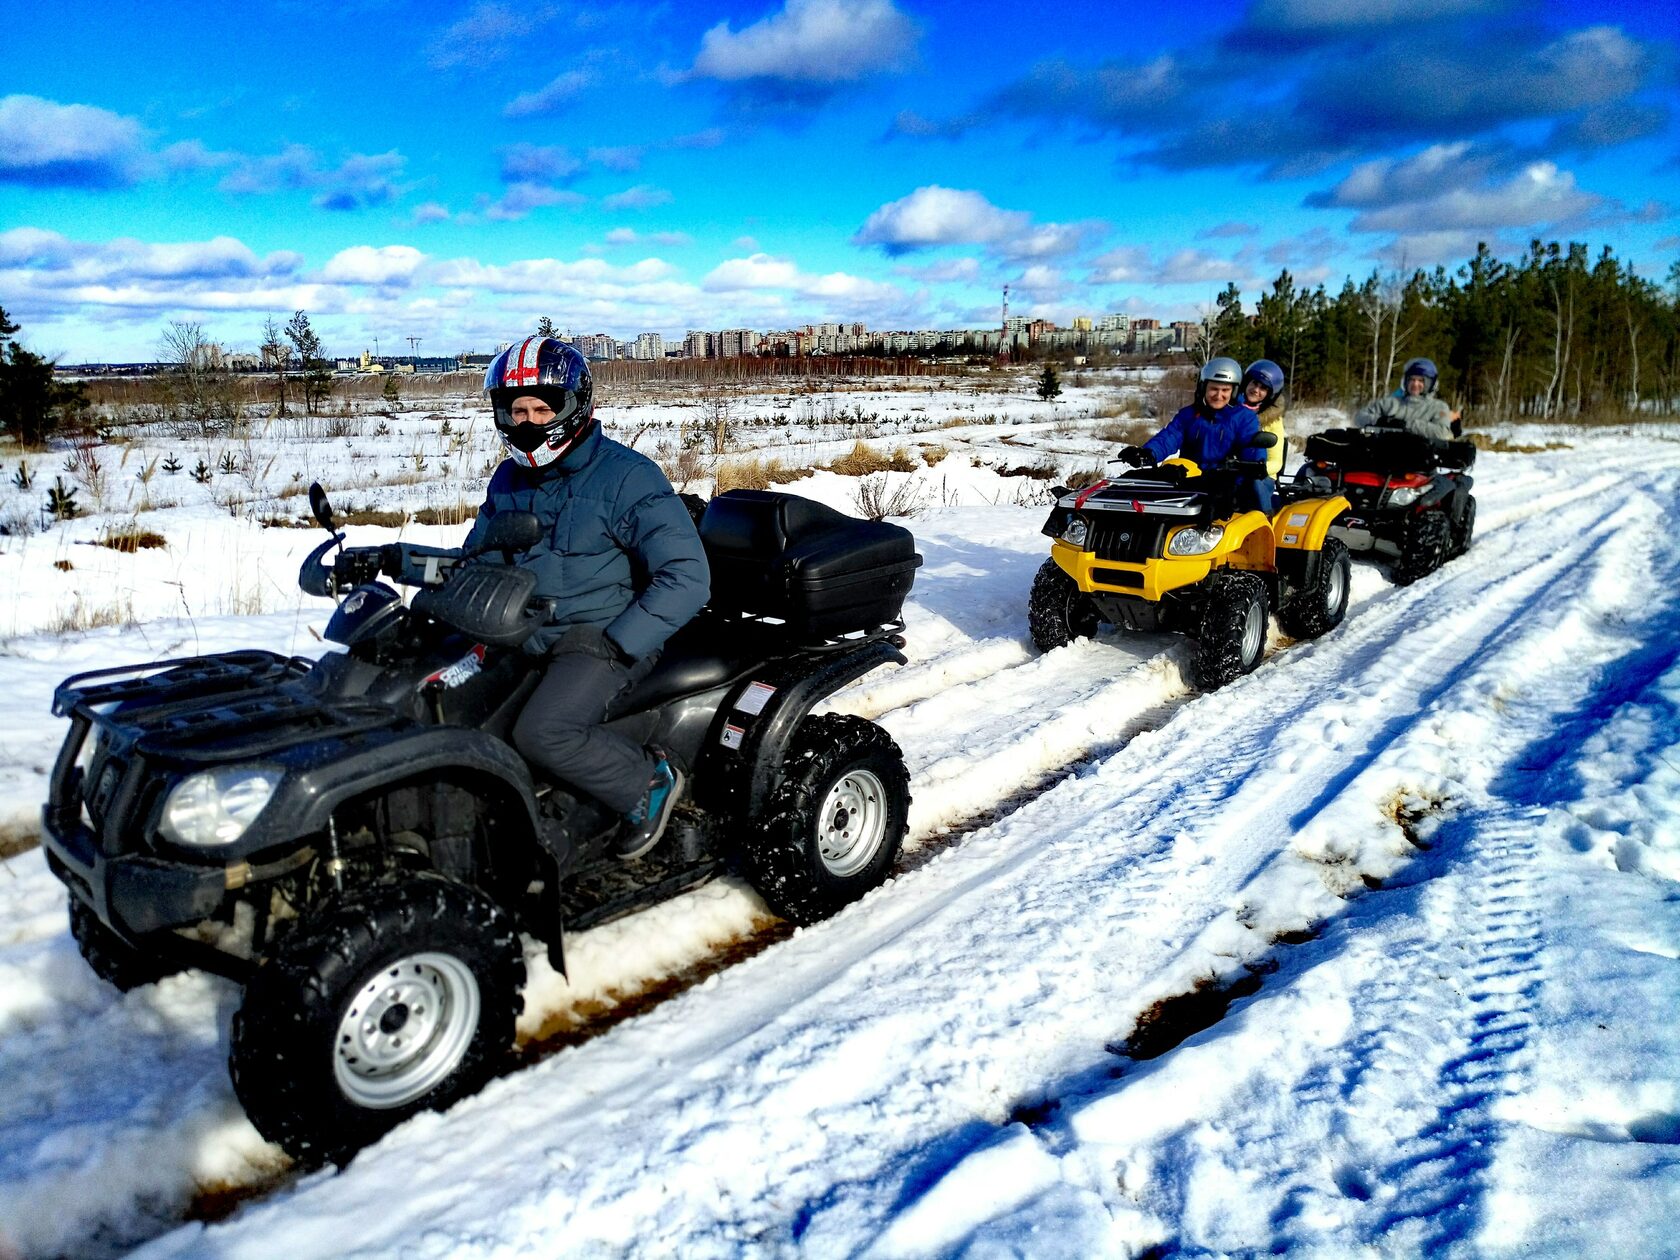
[455, 172]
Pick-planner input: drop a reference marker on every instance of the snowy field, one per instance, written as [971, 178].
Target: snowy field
[1375, 951]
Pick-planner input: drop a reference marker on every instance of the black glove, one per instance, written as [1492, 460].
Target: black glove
[592, 641]
[1136, 456]
[1457, 427]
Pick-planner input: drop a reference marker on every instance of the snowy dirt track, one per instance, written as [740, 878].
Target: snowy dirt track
[1443, 841]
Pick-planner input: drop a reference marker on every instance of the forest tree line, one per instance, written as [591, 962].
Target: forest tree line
[1555, 334]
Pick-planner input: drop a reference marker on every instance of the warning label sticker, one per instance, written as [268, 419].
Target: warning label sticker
[755, 697]
[732, 736]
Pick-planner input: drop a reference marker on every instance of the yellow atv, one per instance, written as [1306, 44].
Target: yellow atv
[1170, 548]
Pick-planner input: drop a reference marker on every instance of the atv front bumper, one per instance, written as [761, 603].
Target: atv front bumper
[1150, 580]
[133, 894]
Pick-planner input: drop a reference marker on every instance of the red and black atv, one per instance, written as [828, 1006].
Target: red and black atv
[1410, 494]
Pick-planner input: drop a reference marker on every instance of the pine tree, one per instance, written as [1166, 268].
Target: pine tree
[1049, 384]
[32, 402]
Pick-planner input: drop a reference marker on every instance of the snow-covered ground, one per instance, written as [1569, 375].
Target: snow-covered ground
[1429, 860]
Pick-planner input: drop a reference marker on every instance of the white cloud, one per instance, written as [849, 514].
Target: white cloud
[1133, 264]
[430, 212]
[815, 41]
[46, 144]
[518, 200]
[762, 271]
[621, 158]
[361, 179]
[933, 216]
[545, 100]
[1538, 194]
[367, 264]
[948, 271]
[641, 197]
[1318, 15]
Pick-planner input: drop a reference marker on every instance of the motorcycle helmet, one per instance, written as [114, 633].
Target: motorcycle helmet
[549, 369]
[1420, 367]
[1268, 374]
[1222, 371]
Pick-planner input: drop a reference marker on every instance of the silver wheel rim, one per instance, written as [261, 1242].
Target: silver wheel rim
[405, 1030]
[851, 823]
[1338, 588]
[1254, 633]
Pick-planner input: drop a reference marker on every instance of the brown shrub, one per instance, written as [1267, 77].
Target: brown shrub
[932, 454]
[448, 514]
[1041, 471]
[1084, 477]
[756, 474]
[863, 459]
[131, 538]
[388, 517]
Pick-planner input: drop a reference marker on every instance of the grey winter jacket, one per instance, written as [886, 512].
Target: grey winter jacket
[620, 550]
[1425, 414]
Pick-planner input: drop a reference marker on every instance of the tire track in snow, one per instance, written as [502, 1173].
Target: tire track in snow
[1205, 796]
[1436, 1176]
[1499, 981]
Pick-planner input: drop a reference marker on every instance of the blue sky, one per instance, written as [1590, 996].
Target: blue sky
[454, 171]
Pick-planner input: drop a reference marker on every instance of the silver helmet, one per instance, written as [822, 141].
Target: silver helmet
[1225, 371]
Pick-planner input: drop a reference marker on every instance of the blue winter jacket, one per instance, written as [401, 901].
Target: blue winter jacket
[1206, 437]
[619, 551]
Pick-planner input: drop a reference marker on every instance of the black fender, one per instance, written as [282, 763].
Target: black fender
[741, 763]
[306, 798]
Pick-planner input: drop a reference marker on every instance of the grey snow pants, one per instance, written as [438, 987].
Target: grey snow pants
[560, 729]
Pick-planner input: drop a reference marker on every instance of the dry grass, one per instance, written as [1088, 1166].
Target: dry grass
[1134, 434]
[863, 459]
[18, 837]
[448, 514]
[932, 453]
[82, 615]
[1044, 470]
[876, 501]
[1085, 477]
[129, 539]
[756, 474]
[390, 518]
[1490, 442]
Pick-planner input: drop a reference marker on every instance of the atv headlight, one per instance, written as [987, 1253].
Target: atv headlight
[217, 806]
[1195, 540]
[1400, 496]
[1076, 532]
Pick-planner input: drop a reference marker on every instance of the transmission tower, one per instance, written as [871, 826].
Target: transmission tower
[413, 349]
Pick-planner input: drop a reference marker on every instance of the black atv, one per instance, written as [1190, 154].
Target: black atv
[1410, 494]
[355, 840]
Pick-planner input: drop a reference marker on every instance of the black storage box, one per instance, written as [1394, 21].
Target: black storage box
[821, 571]
[1388, 450]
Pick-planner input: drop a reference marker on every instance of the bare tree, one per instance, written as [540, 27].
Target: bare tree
[275, 355]
[198, 371]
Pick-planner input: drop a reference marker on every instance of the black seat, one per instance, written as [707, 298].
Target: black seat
[708, 652]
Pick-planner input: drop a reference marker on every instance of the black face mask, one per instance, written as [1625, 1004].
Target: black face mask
[527, 437]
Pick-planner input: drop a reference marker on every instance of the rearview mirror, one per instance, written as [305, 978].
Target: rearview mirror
[1264, 440]
[323, 510]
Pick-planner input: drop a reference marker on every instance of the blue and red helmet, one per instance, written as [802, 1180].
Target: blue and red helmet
[1268, 374]
[550, 370]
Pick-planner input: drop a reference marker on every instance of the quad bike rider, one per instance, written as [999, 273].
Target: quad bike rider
[1180, 546]
[1407, 481]
[356, 840]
